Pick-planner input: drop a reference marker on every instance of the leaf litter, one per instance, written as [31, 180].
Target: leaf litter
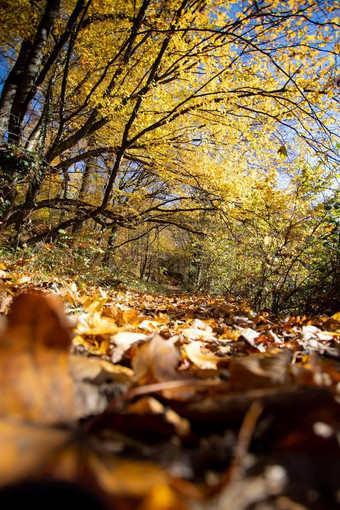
[168, 402]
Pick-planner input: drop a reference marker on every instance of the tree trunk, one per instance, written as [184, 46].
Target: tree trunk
[65, 193]
[110, 245]
[37, 138]
[84, 188]
[8, 194]
[10, 87]
[29, 62]
[28, 206]
[144, 260]
[27, 72]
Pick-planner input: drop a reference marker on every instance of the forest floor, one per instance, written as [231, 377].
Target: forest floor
[164, 402]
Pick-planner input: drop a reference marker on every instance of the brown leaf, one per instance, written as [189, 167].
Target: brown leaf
[34, 379]
[256, 371]
[37, 318]
[123, 317]
[95, 381]
[98, 371]
[25, 447]
[149, 405]
[156, 360]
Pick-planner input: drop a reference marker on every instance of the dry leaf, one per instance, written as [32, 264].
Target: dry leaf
[123, 317]
[156, 360]
[197, 334]
[34, 379]
[149, 405]
[122, 341]
[256, 371]
[25, 447]
[129, 477]
[251, 335]
[205, 360]
[98, 371]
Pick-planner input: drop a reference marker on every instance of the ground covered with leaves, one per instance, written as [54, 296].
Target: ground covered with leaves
[128, 400]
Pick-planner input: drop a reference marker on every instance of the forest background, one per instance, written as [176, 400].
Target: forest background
[188, 144]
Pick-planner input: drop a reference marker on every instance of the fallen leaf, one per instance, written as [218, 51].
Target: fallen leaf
[130, 477]
[122, 341]
[34, 372]
[197, 334]
[254, 371]
[251, 335]
[26, 447]
[202, 359]
[98, 371]
[123, 317]
[156, 360]
[22, 279]
[37, 318]
[149, 405]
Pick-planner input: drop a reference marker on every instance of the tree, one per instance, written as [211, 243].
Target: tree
[152, 81]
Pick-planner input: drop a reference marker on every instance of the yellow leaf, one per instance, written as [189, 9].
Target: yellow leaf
[204, 360]
[128, 477]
